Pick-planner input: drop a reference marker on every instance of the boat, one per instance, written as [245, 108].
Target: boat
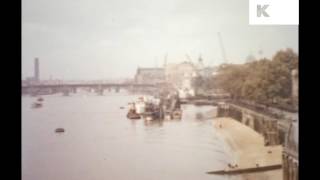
[40, 99]
[151, 115]
[36, 105]
[155, 109]
[59, 130]
[177, 114]
[133, 115]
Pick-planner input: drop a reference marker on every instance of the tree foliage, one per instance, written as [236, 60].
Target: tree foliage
[264, 81]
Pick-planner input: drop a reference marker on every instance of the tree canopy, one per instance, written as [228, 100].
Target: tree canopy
[264, 81]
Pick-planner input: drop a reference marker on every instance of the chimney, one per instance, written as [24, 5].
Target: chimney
[36, 69]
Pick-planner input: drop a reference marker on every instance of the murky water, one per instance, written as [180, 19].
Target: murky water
[100, 143]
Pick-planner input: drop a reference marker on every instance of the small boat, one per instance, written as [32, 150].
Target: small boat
[133, 115]
[151, 114]
[40, 99]
[59, 130]
[177, 114]
[36, 105]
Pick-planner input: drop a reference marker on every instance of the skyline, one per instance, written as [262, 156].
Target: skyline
[110, 39]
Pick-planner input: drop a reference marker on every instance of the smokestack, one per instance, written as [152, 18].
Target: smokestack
[36, 69]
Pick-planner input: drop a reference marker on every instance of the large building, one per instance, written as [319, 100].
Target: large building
[150, 75]
[36, 77]
[181, 76]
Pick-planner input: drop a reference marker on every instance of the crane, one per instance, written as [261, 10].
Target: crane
[222, 48]
[188, 57]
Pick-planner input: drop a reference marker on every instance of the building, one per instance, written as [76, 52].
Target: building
[290, 155]
[150, 75]
[208, 71]
[181, 76]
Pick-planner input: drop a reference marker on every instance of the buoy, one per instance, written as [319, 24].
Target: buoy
[59, 130]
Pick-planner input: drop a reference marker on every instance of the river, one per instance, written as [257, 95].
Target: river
[100, 143]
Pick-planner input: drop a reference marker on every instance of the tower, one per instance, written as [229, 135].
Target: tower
[36, 69]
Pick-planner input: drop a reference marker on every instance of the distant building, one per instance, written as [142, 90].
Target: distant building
[181, 76]
[29, 81]
[36, 77]
[150, 75]
[208, 71]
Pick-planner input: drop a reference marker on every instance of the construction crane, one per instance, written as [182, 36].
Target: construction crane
[188, 57]
[222, 49]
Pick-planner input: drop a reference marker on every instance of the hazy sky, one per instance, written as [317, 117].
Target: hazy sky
[95, 39]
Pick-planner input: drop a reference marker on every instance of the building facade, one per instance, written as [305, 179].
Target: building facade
[150, 75]
[181, 76]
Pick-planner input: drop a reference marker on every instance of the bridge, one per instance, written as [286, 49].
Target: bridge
[66, 88]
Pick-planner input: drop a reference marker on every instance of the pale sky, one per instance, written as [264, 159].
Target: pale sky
[102, 39]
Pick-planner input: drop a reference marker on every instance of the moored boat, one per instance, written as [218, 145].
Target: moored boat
[133, 115]
[59, 130]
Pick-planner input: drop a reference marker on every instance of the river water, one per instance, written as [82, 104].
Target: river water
[100, 143]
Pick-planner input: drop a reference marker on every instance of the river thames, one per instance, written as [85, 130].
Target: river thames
[100, 143]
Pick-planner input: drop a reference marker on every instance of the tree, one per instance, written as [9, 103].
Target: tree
[261, 81]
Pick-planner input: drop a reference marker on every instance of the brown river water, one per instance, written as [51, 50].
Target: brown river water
[100, 143]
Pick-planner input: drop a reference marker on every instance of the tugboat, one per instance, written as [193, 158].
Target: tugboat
[132, 114]
[153, 110]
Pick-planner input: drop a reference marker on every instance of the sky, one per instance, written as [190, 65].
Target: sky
[108, 39]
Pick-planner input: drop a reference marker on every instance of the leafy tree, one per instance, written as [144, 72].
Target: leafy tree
[262, 81]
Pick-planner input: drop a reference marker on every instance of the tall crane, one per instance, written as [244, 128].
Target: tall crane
[189, 58]
[222, 48]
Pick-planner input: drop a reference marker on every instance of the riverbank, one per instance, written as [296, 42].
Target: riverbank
[248, 150]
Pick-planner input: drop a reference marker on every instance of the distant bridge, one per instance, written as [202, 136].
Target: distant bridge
[66, 88]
